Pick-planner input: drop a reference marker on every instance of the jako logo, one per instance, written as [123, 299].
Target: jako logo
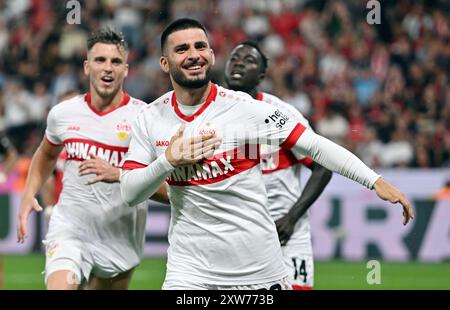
[73, 128]
[278, 118]
[373, 17]
[162, 143]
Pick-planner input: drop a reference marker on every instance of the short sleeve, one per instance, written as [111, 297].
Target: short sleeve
[299, 118]
[140, 151]
[293, 112]
[51, 132]
[270, 125]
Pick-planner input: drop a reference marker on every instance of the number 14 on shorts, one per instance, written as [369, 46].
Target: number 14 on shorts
[301, 270]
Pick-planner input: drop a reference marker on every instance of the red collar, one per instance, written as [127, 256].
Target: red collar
[211, 97]
[125, 100]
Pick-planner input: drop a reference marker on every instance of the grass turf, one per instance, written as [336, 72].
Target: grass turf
[24, 273]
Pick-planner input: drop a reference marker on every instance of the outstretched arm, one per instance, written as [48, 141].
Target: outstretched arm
[338, 159]
[314, 187]
[42, 165]
[390, 193]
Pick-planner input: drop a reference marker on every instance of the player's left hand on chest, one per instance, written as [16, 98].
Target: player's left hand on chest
[102, 169]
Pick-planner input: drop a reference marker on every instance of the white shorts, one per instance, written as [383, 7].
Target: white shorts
[282, 284]
[77, 257]
[301, 271]
[87, 250]
[65, 251]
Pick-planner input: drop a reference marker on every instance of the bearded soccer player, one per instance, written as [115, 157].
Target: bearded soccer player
[221, 233]
[93, 237]
[288, 206]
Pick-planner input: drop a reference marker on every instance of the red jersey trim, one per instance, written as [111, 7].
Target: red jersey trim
[81, 149]
[125, 100]
[296, 287]
[97, 144]
[286, 159]
[306, 161]
[131, 165]
[211, 97]
[216, 169]
[293, 137]
[50, 142]
[259, 96]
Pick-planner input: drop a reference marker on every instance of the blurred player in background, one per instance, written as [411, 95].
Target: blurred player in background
[221, 234]
[8, 156]
[288, 205]
[93, 236]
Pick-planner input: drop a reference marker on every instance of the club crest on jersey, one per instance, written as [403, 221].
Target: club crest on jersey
[206, 130]
[52, 250]
[278, 118]
[123, 130]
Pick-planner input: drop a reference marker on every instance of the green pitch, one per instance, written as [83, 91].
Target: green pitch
[24, 272]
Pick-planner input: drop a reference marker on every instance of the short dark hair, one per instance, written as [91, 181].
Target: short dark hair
[180, 24]
[255, 45]
[108, 36]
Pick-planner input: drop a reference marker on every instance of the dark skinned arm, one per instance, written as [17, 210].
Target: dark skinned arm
[314, 187]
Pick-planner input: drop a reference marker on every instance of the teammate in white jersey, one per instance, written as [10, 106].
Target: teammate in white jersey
[221, 234]
[244, 70]
[93, 236]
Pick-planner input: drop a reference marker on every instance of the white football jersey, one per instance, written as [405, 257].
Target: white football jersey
[96, 214]
[281, 175]
[221, 231]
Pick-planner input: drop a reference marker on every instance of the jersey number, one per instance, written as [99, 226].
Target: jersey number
[300, 269]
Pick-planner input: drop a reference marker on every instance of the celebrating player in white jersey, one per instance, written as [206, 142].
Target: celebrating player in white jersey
[288, 206]
[93, 235]
[221, 234]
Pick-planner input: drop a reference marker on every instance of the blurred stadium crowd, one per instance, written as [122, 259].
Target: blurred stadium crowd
[380, 90]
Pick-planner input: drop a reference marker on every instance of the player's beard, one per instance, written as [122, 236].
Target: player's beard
[106, 92]
[185, 82]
